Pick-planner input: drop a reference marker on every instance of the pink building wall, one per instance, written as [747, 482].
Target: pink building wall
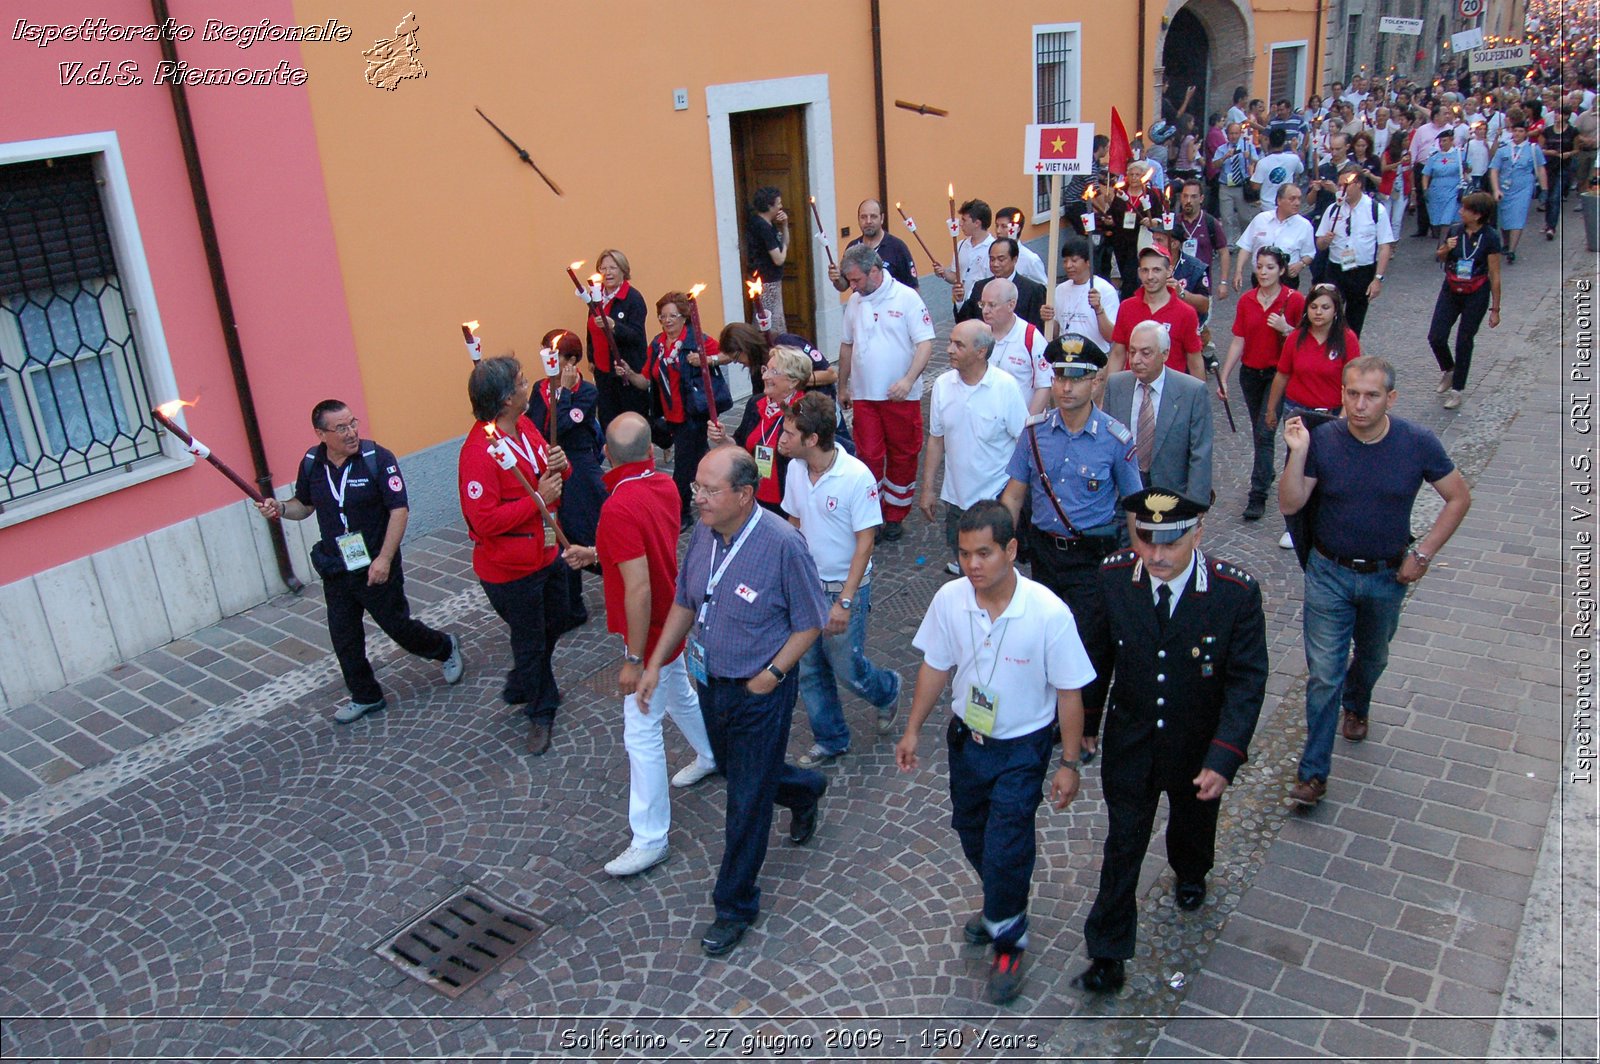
[264, 176]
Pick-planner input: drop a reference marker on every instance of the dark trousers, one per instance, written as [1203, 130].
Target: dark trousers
[1110, 929]
[535, 608]
[1352, 284]
[1423, 229]
[749, 734]
[1470, 308]
[347, 595]
[688, 447]
[617, 396]
[995, 790]
[1126, 251]
[1256, 384]
[1074, 576]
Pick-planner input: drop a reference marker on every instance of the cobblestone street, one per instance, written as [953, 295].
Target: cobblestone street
[197, 861]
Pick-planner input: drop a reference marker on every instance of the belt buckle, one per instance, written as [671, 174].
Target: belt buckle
[1062, 542]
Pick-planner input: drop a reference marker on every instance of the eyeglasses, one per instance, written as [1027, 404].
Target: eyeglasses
[669, 317]
[344, 428]
[699, 492]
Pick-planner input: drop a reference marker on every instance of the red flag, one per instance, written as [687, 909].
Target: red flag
[1058, 142]
[1121, 151]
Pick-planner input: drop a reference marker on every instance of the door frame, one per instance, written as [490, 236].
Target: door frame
[1297, 92]
[810, 92]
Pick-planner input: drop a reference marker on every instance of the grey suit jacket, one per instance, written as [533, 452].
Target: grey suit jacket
[1182, 458]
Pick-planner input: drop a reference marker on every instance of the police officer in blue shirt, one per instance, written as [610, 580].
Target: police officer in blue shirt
[355, 489]
[1075, 463]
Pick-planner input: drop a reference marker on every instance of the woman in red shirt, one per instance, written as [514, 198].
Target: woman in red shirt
[787, 371]
[513, 551]
[678, 391]
[1265, 316]
[1310, 379]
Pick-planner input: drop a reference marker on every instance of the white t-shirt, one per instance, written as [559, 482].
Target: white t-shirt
[1273, 170]
[1024, 361]
[883, 330]
[980, 424]
[842, 502]
[1029, 264]
[1073, 313]
[1034, 652]
[1236, 114]
[975, 261]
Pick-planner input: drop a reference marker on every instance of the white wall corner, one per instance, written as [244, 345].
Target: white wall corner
[30, 666]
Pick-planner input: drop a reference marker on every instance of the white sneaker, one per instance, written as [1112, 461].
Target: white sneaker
[818, 756]
[1452, 399]
[635, 859]
[354, 711]
[694, 772]
[1286, 541]
[455, 666]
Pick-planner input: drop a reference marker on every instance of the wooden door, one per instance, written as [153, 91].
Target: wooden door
[769, 148]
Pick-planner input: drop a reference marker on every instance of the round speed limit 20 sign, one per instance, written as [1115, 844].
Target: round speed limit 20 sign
[1469, 8]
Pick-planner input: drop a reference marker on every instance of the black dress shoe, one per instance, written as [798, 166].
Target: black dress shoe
[538, 737]
[1103, 977]
[722, 936]
[976, 932]
[1191, 895]
[1255, 509]
[803, 822]
[892, 531]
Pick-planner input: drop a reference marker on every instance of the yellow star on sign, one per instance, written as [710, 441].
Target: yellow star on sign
[1057, 144]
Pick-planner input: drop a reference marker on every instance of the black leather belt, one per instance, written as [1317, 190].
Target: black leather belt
[1078, 543]
[1361, 565]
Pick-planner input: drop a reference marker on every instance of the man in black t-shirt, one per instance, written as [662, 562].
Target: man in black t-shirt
[355, 489]
[891, 249]
[767, 247]
[1363, 473]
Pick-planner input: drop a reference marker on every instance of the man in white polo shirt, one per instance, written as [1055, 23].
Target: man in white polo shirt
[1019, 666]
[1285, 228]
[1359, 240]
[1018, 346]
[833, 500]
[888, 339]
[974, 420]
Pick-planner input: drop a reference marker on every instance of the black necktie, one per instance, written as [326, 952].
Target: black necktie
[1163, 605]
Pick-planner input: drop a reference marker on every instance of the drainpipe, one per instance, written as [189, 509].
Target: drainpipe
[1138, 105]
[219, 289]
[877, 104]
[1316, 53]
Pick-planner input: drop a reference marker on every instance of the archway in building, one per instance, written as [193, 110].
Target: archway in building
[1209, 44]
[1186, 59]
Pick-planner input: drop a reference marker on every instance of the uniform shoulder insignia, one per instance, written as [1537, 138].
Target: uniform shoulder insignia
[1119, 559]
[1038, 419]
[1229, 571]
[1118, 429]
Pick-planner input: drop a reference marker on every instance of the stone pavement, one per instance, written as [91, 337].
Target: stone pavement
[197, 861]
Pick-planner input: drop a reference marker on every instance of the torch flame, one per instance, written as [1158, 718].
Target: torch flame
[754, 285]
[813, 200]
[594, 278]
[473, 325]
[489, 430]
[576, 266]
[171, 408]
[1089, 193]
[694, 293]
[950, 190]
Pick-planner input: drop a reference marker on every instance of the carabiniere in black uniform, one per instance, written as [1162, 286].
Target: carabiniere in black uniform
[1185, 696]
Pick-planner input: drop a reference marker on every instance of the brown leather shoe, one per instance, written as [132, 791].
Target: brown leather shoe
[538, 737]
[1355, 728]
[1307, 793]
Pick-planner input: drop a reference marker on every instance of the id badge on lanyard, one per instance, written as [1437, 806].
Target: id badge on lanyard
[694, 648]
[1191, 247]
[983, 705]
[696, 655]
[1464, 269]
[763, 456]
[352, 545]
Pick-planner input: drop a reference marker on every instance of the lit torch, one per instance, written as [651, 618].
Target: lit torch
[912, 226]
[551, 356]
[469, 333]
[507, 460]
[822, 234]
[753, 288]
[955, 241]
[613, 357]
[572, 272]
[164, 415]
[698, 338]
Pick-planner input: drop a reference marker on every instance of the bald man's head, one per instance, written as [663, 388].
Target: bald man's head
[628, 439]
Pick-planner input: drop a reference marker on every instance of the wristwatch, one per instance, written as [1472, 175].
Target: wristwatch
[630, 658]
[845, 603]
[776, 672]
[1377, 277]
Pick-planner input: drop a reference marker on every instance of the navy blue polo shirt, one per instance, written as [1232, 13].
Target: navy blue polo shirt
[372, 486]
[896, 259]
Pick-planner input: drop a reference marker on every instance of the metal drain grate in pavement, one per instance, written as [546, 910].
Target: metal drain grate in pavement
[458, 942]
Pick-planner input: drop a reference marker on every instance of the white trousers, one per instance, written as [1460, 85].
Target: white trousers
[649, 809]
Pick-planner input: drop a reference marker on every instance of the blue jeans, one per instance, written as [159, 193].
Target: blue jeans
[748, 734]
[843, 656]
[1552, 204]
[1341, 607]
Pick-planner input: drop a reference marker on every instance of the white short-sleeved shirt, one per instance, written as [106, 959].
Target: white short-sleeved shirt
[1293, 234]
[1023, 360]
[842, 502]
[1074, 314]
[975, 261]
[1035, 651]
[1274, 170]
[1029, 264]
[1360, 246]
[883, 330]
[980, 424]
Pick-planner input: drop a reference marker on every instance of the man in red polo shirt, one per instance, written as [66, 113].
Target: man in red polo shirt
[1156, 301]
[636, 545]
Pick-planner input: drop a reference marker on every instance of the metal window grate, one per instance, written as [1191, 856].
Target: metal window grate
[1055, 59]
[456, 944]
[73, 398]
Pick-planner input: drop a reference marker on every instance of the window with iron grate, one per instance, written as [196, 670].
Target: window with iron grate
[74, 400]
[1055, 97]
